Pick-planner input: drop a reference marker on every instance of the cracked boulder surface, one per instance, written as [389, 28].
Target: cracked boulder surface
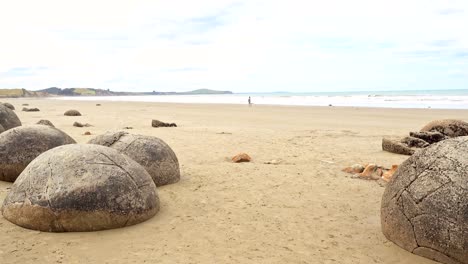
[81, 187]
[425, 206]
[448, 127]
[8, 118]
[152, 153]
[21, 145]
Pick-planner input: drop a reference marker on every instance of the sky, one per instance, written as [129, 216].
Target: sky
[241, 46]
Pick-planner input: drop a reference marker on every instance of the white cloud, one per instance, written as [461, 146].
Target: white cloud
[239, 45]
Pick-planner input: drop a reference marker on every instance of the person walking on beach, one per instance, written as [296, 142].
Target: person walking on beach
[250, 101]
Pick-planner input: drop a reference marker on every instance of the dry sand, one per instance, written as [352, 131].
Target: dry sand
[304, 210]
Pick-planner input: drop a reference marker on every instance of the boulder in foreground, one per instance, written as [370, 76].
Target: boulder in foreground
[21, 145]
[81, 188]
[152, 153]
[425, 206]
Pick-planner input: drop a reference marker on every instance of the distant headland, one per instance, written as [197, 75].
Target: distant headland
[55, 91]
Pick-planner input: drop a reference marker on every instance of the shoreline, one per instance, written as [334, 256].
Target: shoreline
[239, 104]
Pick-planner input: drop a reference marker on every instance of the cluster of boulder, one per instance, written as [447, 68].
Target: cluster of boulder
[61, 186]
[433, 132]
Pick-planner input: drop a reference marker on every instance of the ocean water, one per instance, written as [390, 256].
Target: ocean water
[439, 99]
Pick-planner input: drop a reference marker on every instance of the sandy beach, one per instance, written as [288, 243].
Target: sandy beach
[303, 210]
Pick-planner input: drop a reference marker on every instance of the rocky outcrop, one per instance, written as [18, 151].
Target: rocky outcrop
[433, 132]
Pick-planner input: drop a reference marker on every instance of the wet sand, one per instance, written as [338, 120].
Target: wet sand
[303, 210]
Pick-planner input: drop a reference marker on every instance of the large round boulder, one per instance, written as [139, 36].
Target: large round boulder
[425, 206]
[448, 127]
[81, 188]
[20, 145]
[8, 118]
[151, 152]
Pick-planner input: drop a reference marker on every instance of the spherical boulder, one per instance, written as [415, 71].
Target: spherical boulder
[45, 122]
[84, 187]
[8, 118]
[448, 127]
[152, 153]
[20, 145]
[72, 113]
[425, 205]
[12, 107]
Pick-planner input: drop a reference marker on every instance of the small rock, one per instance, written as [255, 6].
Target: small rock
[25, 109]
[72, 113]
[372, 172]
[98, 104]
[128, 128]
[388, 174]
[356, 168]
[25, 104]
[87, 133]
[157, 123]
[45, 123]
[273, 162]
[242, 157]
[78, 124]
